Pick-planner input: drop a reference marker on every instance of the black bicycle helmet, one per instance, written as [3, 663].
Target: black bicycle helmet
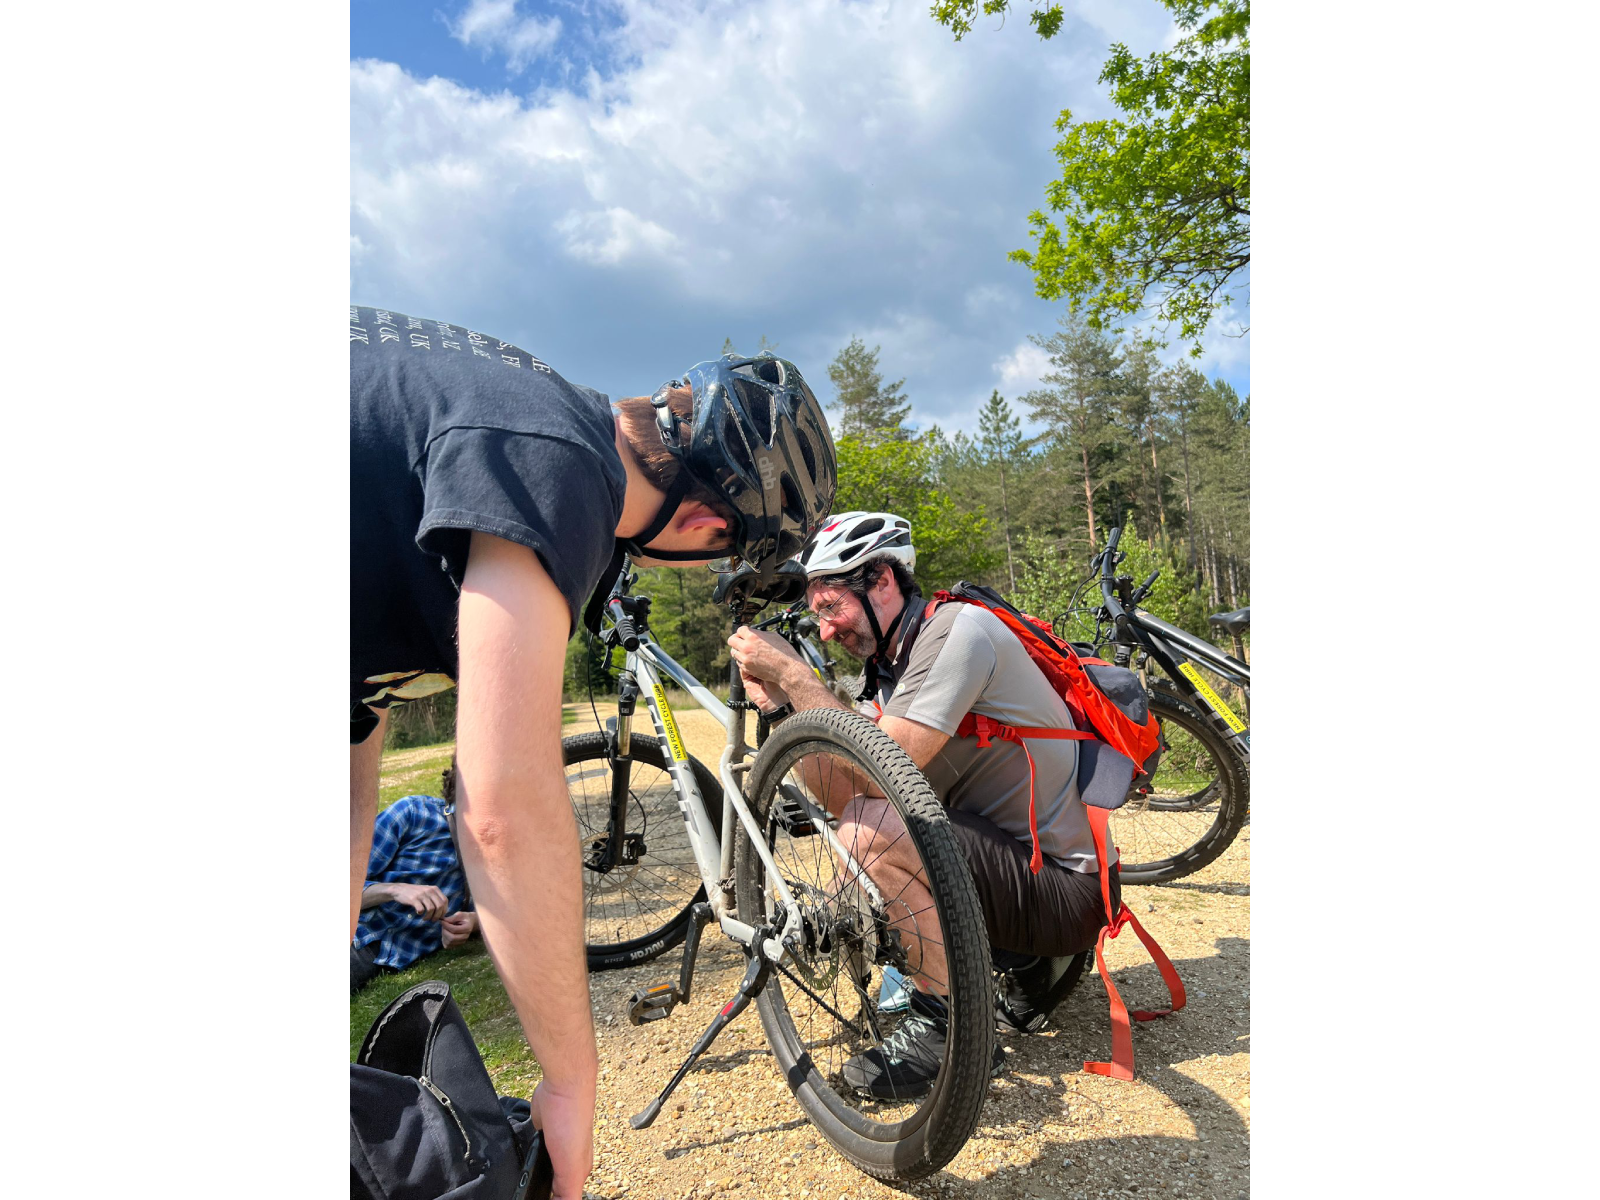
[759, 442]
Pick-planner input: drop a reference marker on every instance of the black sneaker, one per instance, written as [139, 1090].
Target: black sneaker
[1030, 991]
[908, 1061]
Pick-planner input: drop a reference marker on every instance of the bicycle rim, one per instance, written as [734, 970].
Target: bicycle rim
[821, 1009]
[1195, 808]
[640, 909]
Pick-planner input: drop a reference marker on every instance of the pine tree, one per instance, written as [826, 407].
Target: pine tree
[1000, 435]
[868, 408]
[1077, 404]
[765, 347]
[1139, 406]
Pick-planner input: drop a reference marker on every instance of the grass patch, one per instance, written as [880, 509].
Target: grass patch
[482, 1000]
[467, 969]
[414, 771]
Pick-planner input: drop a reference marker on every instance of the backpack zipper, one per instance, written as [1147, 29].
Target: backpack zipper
[434, 1090]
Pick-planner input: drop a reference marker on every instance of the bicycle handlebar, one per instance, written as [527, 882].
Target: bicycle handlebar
[626, 633]
[1108, 589]
[1143, 590]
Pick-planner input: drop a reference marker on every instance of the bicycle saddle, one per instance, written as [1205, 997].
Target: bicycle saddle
[1233, 622]
[745, 586]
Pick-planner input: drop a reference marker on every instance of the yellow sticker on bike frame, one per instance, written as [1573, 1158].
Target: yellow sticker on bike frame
[667, 719]
[1211, 697]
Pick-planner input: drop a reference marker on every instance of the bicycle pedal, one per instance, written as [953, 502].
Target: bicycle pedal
[790, 817]
[653, 1003]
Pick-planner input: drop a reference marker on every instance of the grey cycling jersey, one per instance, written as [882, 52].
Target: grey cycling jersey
[963, 659]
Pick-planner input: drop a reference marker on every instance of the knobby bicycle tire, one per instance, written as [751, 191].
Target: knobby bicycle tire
[764, 727]
[908, 1145]
[667, 883]
[1160, 838]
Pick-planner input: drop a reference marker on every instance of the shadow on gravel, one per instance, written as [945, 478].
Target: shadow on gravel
[1043, 1087]
[741, 1135]
[1216, 889]
[1072, 1119]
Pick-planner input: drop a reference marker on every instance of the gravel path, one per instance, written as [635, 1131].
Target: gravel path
[1048, 1130]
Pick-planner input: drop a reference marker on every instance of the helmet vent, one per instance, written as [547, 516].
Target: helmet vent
[807, 454]
[735, 445]
[757, 404]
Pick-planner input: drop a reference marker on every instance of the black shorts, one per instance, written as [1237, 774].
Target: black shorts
[1054, 913]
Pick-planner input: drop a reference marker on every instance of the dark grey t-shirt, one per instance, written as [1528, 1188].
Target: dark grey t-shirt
[453, 431]
[963, 660]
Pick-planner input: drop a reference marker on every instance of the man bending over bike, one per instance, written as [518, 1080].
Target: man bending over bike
[922, 676]
[489, 498]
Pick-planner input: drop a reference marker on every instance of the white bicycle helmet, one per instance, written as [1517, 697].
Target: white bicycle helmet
[849, 539]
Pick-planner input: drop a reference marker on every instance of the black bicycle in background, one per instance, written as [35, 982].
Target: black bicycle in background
[1193, 807]
[800, 629]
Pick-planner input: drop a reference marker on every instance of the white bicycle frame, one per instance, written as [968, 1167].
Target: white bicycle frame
[650, 664]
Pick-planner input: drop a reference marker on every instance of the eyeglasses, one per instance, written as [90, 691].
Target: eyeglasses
[831, 612]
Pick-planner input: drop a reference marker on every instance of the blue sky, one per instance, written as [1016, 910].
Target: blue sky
[618, 186]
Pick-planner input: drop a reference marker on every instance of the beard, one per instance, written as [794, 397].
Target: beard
[858, 640]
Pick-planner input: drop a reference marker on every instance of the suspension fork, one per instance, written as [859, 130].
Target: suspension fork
[619, 744]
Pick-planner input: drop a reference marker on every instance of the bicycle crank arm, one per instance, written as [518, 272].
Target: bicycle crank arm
[656, 1003]
[755, 978]
[699, 918]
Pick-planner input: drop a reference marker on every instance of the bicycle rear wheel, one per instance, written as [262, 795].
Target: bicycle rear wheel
[637, 910]
[1197, 805]
[820, 1009]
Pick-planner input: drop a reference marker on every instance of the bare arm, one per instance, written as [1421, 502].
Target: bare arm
[776, 671]
[519, 840]
[365, 760]
[919, 741]
[426, 899]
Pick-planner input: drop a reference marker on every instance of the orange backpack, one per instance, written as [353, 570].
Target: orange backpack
[1122, 740]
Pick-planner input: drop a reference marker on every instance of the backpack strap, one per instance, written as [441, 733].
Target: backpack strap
[1121, 1064]
[986, 729]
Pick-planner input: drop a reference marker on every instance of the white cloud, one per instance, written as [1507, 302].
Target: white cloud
[987, 298]
[1021, 370]
[493, 25]
[803, 169]
[1142, 26]
[612, 236]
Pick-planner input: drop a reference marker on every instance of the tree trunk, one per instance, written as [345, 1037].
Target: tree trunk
[1161, 509]
[1005, 511]
[1211, 557]
[1188, 503]
[1233, 560]
[1088, 494]
[1144, 486]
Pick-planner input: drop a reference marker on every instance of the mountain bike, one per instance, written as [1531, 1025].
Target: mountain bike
[823, 890]
[1193, 806]
[799, 628]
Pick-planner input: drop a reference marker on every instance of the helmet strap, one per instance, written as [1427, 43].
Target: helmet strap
[882, 638]
[639, 544]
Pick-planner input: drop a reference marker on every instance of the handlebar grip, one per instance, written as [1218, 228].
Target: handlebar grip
[1116, 536]
[626, 633]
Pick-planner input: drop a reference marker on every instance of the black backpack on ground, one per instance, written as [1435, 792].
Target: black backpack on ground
[425, 1123]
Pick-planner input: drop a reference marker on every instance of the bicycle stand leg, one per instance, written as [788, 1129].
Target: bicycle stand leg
[755, 978]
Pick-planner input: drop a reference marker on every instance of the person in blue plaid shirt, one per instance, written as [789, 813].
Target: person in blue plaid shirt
[415, 899]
